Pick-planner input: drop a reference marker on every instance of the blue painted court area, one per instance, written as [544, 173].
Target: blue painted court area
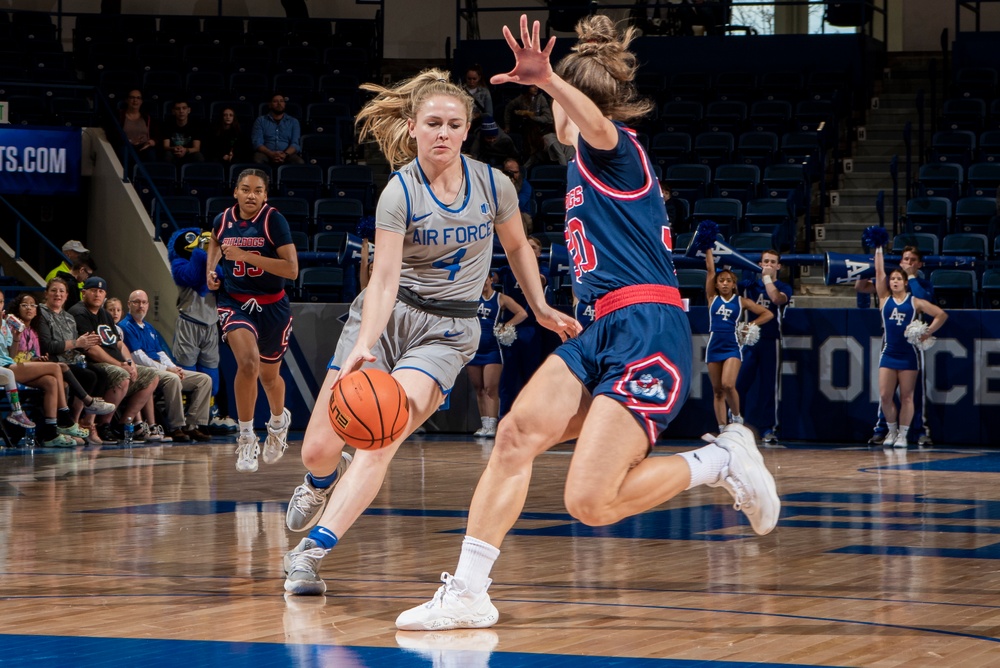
[92, 652]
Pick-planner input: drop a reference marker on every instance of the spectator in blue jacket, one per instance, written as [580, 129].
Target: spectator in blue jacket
[275, 135]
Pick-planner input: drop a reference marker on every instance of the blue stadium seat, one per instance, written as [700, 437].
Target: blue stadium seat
[953, 146]
[963, 114]
[973, 214]
[354, 181]
[737, 182]
[713, 148]
[691, 282]
[960, 243]
[991, 289]
[337, 214]
[296, 211]
[771, 116]
[322, 151]
[321, 284]
[552, 214]
[203, 180]
[955, 288]
[983, 178]
[725, 116]
[681, 116]
[940, 179]
[300, 181]
[670, 148]
[928, 244]
[757, 148]
[688, 181]
[216, 205]
[185, 209]
[752, 242]
[768, 215]
[928, 214]
[726, 213]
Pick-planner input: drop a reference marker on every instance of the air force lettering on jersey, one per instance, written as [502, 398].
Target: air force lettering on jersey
[448, 246]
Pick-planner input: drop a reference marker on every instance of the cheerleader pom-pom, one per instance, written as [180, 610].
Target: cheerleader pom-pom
[748, 334]
[504, 335]
[914, 331]
[875, 236]
[706, 235]
[366, 227]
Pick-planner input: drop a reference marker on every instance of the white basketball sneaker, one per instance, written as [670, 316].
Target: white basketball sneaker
[453, 607]
[747, 479]
[247, 449]
[277, 438]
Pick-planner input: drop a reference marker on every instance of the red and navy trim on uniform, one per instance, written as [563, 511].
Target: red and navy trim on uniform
[613, 193]
[637, 294]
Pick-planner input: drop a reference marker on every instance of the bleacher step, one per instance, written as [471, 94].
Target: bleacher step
[853, 214]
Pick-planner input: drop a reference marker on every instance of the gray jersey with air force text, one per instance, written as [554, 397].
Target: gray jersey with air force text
[446, 249]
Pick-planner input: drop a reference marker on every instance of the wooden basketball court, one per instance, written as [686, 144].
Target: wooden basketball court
[167, 556]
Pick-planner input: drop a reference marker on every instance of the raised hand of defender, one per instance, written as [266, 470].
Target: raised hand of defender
[532, 64]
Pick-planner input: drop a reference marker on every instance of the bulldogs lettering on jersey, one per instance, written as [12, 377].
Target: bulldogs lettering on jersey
[261, 235]
[608, 251]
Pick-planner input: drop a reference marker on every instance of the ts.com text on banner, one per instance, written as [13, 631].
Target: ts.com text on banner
[36, 161]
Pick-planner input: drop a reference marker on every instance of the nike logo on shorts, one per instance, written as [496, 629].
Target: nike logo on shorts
[449, 334]
[417, 219]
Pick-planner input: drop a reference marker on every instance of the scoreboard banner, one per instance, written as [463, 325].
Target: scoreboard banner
[39, 161]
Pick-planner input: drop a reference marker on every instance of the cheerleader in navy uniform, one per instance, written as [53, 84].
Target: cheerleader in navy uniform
[898, 363]
[724, 354]
[485, 367]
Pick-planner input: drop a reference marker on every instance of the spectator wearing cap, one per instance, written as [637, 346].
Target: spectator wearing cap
[73, 250]
[492, 145]
[111, 357]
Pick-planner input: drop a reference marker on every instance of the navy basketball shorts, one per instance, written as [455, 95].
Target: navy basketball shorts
[640, 356]
[270, 323]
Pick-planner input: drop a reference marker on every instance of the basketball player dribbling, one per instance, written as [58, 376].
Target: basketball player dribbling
[257, 255]
[417, 318]
[616, 386]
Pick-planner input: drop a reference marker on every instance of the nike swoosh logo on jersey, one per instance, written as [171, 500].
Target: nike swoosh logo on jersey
[417, 219]
[450, 334]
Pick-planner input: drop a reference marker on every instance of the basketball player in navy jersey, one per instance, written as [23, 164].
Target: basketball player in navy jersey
[761, 369]
[257, 255]
[620, 383]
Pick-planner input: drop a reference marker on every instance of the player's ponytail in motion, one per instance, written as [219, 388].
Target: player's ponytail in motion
[603, 68]
[384, 118]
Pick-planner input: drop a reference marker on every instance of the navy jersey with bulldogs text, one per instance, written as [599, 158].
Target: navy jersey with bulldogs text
[263, 235]
[617, 235]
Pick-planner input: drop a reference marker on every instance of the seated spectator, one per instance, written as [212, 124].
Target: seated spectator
[226, 142]
[26, 309]
[512, 168]
[530, 115]
[147, 429]
[59, 341]
[138, 126]
[182, 135]
[59, 429]
[112, 356]
[492, 145]
[275, 135]
[73, 250]
[482, 101]
[82, 270]
[144, 342]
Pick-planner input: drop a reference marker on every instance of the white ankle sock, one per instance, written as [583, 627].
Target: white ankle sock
[475, 564]
[722, 428]
[277, 421]
[737, 419]
[246, 427]
[903, 431]
[706, 463]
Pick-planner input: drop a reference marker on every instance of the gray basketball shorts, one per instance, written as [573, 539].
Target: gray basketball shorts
[414, 339]
[196, 343]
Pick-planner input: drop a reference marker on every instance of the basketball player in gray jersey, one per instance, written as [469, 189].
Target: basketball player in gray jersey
[418, 316]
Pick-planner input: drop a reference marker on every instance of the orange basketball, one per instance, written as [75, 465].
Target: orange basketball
[368, 409]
